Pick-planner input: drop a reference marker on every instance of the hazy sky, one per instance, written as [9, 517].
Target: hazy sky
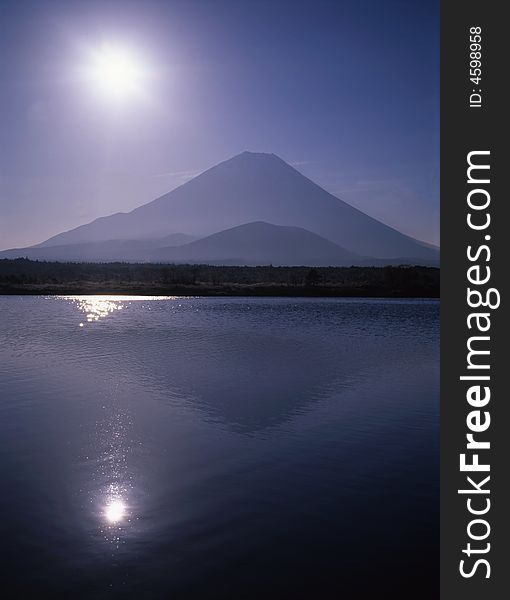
[345, 91]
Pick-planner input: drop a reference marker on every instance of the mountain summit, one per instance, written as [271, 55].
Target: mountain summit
[250, 187]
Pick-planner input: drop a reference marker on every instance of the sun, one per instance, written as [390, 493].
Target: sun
[116, 72]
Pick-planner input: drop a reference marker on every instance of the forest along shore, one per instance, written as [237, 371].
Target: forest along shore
[23, 276]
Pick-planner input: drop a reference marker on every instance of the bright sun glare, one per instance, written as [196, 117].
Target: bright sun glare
[116, 72]
[115, 511]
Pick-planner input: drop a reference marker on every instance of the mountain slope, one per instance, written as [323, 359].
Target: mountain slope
[247, 188]
[260, 244]
[107, 251]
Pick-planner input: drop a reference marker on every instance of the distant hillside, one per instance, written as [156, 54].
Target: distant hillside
[260, 244]
[248, 188]
[108, 251]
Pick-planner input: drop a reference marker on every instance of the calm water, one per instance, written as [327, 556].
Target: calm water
[219, 448]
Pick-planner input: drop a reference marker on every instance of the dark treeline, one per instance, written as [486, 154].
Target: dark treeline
[21, 276]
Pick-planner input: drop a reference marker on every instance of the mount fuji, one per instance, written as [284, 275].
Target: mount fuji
[291, 220]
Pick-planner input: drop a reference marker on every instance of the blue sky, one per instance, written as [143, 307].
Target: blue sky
[347, 92]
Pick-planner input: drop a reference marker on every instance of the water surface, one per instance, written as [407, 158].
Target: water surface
[219, 448]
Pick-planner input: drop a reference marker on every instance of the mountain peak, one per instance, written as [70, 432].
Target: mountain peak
[256, 157]
[260, 163]
[251, 154]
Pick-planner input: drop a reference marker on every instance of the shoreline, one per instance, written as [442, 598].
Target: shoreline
[212, 293]
[26, 277]
[224, 291]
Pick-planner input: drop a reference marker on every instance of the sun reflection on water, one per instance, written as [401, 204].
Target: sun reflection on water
[112, 493]
[99, 307]
[114, 476]
[115, 511]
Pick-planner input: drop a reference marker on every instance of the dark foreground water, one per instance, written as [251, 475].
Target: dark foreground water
[219, 448]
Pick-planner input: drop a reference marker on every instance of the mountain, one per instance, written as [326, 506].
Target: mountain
[107, 251]
[260, 244]
[251, 187]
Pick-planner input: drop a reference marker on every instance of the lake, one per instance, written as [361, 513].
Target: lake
[223, 448]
